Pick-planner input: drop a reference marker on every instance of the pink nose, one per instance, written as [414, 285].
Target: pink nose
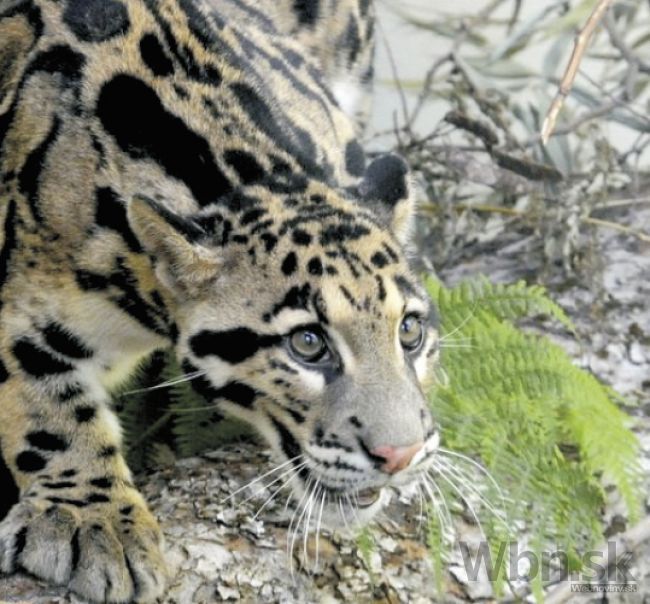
[397, 458]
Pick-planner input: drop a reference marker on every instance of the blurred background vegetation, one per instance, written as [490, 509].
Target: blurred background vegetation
[463, 89]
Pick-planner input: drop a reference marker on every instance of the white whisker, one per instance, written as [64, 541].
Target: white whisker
[465, 480]
[318, 527]
[343, 514]
[443, 473]
[308, 493]
[477, 466]
[167, 384]
[452, 345]
[439, 503]
[308, 520]
[262, 477]
[460, 325]
[292, 532]
[288, 481]
[259, 491]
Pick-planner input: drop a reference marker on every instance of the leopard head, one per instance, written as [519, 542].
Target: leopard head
[298, 313]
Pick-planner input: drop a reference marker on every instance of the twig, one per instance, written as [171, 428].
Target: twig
[523, 167]
[396, 78]
[617, 227]
[466, 27]
[580, 45]
[490, 209]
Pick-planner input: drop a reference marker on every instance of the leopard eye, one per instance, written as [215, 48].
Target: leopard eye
[411, 333]
[308, 344]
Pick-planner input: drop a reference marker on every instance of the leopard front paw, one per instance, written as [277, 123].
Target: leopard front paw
[105, 553]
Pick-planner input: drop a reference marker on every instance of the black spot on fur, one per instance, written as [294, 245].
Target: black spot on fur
[8, 488]
[38, 362]
[247, 167]
[97, 498]
[237, 393]
[64, 484]
[348, 296]
[355, 421]
[181, 92]
[133, 113]
[84, 414]
[289, 264]
[352, 40]
[251, 216]
[69, 392]
[379, 260]
[102, 483]
[67, 501]
[109, 451]
[110, 213]
[46, 441]
[88, 281]
[355, 159]
[30, 174]
[300, 146]
[381, 294]
[68, 473]
[315, 267]
[232, 346]
[154, 57]
[270, 241]
[30, 461]
[391, 252]
[299, 418]
[297, 297]
[9, 242]
[306, 11]
[202, 386]
[59, 59]
[19, 546]
[341, 233]
[301, 237]
[96, 20]
[4, 374]
[131, 302]
[405, 286]
[288, 443]
[62, 341]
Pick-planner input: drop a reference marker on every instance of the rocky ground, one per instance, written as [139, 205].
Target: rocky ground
[221, 551]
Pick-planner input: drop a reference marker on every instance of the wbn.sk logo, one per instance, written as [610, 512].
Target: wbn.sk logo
[525, 565]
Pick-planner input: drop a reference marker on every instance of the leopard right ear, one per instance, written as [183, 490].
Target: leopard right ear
[182, 263]
[387, 189]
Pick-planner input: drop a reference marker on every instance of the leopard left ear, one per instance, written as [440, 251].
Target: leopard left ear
[386, 187]
[182, 263]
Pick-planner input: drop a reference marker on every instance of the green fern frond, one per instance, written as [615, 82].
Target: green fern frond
[500, 301]
[546, 430]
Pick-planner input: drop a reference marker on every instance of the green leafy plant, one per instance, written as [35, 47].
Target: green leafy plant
[549, 433]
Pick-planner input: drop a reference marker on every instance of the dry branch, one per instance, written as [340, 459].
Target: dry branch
[579, 48]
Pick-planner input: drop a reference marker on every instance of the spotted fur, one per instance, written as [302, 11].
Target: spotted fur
[180, 173]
